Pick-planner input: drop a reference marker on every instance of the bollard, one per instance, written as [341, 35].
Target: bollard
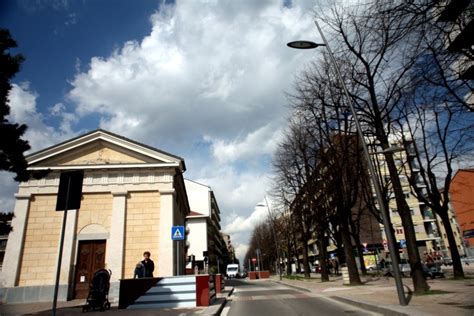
[345, 276]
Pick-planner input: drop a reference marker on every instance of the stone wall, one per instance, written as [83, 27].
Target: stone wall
[142, 229]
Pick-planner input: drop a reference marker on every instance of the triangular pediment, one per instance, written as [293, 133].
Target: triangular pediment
[101, 148]
[97, 153]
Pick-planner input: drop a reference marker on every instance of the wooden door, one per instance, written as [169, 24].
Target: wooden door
[90, 258]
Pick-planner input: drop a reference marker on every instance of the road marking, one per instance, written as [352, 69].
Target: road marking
[226, 308]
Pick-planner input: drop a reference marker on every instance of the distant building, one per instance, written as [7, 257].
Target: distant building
[229, 247]
[132, 195]
[203, 226]
[444, 244]
[462, 201]
[424, 220]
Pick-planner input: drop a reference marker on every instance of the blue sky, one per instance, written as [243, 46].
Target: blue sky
[205, 80]
[58, 38]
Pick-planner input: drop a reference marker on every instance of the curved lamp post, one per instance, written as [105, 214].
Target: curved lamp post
[376, 184]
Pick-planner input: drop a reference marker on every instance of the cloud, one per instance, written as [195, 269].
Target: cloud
[215, 69]
[22, 102]
[240, 227]
[262, 141]
[207, 83]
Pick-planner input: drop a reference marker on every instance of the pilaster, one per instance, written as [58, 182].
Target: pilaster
[16, 239]
[115, 244]
[166, 255]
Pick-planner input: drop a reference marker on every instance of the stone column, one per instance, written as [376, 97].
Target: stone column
[115, 244]
[67, 263]
[167, 253]
[16, 239]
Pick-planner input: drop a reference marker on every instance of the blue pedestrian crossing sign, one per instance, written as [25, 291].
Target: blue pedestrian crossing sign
[177, 233]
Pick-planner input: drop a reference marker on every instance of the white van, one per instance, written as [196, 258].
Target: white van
[232, 270]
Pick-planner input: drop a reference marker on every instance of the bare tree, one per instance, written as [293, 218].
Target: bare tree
[435, 137]
[434, 120]
[372, 44]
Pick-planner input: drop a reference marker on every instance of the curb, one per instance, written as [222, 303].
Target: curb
[219, 305]
[370, 307]
[217, 308]
[293, 286]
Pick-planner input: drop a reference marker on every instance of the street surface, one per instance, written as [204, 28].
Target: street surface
[269, 298]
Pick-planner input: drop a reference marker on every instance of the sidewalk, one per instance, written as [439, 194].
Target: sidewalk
[75, 308]
[379, 294]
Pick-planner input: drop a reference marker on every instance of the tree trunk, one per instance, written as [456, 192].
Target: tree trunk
[322, 259]
[419, 282]
[360, 248]
[305, 259]
[455, 257]
[354, 278]
[339, 245]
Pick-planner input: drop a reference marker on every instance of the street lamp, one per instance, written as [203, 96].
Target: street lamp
[376, 184]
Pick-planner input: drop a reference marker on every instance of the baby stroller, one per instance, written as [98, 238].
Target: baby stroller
[98, 297]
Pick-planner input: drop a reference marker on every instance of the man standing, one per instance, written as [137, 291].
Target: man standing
[148, 265]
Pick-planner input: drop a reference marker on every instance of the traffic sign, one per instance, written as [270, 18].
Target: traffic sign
[177, 233]
[403, 243]
[254, 260]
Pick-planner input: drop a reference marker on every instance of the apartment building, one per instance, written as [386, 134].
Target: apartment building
[424, 220]
[462, 201]
[206, 246]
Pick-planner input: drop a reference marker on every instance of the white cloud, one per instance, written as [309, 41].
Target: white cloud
[22, 102]
[262, 141]
[240, 252]
[207, 83]
[216, 69]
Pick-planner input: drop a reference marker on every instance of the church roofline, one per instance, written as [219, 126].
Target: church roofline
[107, 136]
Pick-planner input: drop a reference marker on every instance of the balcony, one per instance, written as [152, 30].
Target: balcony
[428, 215]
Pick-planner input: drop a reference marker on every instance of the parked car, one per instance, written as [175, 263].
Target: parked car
[371, 267]
[447, 261]
[432, 271]
[242, 275]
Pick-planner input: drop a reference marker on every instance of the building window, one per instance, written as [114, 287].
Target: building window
[399, 231]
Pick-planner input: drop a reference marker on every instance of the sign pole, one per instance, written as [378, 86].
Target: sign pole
[177, 257]
[60, 254]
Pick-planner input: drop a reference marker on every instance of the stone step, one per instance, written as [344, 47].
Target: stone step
[164, 304]
[160, 297]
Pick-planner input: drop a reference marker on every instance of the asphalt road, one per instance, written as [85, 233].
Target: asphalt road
[270, 298]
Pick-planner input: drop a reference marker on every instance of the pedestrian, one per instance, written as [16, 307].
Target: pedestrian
[138, 273]
[336, 266]
[428, 260]
[148, 265]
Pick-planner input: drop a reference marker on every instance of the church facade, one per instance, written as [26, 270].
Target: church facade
[132, 195]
